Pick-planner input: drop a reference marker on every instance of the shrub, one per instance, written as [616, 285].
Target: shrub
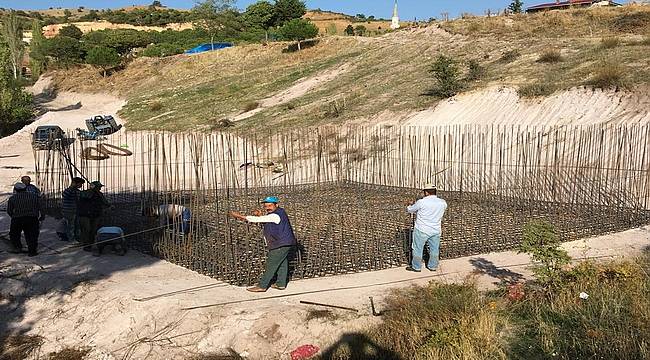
[71, 31]
[447, 75]
[536, 90]
[541, 242]
[610, 42]
[550, 56]
[155, 106]
[608, 75]
[510, 56]
[634, 22]
[251, 106]
[161, 50]
[475, 70]
[646, 40]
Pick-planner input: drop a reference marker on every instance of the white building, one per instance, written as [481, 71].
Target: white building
[395, 22]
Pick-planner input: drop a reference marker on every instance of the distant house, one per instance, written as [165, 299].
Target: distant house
[561, 5]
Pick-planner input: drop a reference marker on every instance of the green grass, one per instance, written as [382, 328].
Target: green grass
[447, 321]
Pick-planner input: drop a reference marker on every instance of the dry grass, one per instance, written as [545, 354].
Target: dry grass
[155, 106]
[69, 354]
[610, 42]
[550, 56]
[510, 56]
[321, 314]
[19, 347]
[608, 75]
[251, 106]
[231, 355]
[443, 321]
[537, 89]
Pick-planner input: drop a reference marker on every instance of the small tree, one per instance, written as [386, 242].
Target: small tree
[37, 58]
[71, 31]
[103, 57]
[156, 3]
[299, 30]
[349, 30]
[13, 36]
[66, 15]
[287, 10]
[445, 71]
[360, 30]
[541, 241]
[260, 15]
[65, 50]
[516, 6]
[214, 16]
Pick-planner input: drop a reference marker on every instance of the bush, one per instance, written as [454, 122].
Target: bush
[634, 22]
[536, 90]
[608, 75]
[447, 75]
[646, 40]
[475, 70]
[550, 56]
[541, 242]
[161, 50]
[155, 106]
[251, 106]
[510, 56]
[610, 42]
[71, 31]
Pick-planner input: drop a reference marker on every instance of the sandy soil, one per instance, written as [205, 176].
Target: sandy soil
[502, 106]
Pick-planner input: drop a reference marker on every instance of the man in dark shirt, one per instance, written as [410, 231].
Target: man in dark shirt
[89, 210]
[280, 241]
[29, 186]
[24, 208]
[69, 208]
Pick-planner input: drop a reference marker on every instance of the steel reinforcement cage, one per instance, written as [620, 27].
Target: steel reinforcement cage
[345, 190]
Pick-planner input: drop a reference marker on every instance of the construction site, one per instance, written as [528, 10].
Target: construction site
[346, 190]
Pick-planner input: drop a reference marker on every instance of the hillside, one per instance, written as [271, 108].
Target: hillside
[384, 79]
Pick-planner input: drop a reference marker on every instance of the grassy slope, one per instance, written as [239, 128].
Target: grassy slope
[389, 73]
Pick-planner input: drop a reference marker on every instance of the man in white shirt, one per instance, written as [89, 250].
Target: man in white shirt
[429, 212]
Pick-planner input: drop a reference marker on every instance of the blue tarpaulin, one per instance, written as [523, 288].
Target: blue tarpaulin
[208, 47]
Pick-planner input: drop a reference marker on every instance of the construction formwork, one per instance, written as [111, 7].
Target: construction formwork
[346, 190]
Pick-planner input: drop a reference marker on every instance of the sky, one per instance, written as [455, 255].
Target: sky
[408, 9]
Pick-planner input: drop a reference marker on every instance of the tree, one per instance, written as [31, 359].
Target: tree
[445, 71]
[103, 57]
[16, 104]
[516, 6]
[157, 3]
[349, 30]
[65, 50]
[37, 58]
[66, 15]
[360, 30]
[260, 15]
[71, 31]
[13, 36]
[299, 30]
[287, 10]
[214, 16]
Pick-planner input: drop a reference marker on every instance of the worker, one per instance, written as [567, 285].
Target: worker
[69, 209]
[429, 212]
[30, 187]
[89, 211]
[170, 214]
[280, 241]
[24, 208]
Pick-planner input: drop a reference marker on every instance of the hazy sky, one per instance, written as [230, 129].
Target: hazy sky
[409, 9]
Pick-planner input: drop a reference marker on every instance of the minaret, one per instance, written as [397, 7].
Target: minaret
[395, 23]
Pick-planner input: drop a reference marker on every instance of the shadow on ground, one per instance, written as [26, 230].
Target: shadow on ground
[56, 272]
[505, 276]
[357, 346]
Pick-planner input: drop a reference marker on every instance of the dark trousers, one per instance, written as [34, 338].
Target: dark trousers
[88, 227]
[277, 262]
[29, 225]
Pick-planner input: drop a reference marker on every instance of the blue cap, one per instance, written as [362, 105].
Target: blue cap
[271, 199]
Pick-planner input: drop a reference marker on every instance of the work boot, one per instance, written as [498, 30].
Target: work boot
[278, 287]
[409, 268]
[256, 289]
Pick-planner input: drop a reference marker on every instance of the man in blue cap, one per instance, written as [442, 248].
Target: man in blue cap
[280, 240]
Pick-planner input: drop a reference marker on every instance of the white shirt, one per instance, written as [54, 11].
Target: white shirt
[270, 218]
[167, 212]
[430, 211]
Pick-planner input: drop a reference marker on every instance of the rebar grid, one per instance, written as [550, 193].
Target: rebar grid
[345, 190]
